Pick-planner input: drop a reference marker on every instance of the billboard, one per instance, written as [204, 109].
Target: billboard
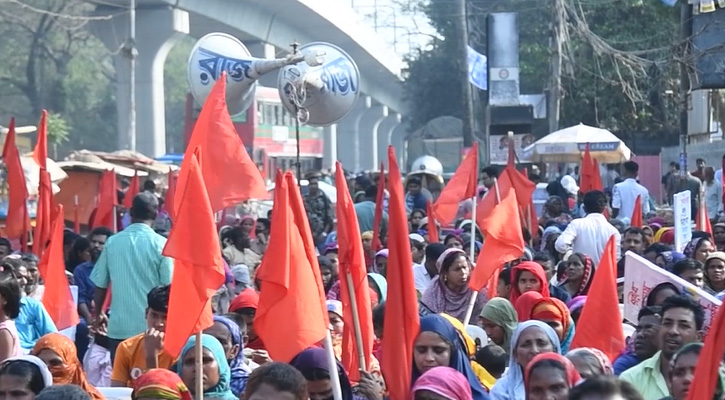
[498, 151]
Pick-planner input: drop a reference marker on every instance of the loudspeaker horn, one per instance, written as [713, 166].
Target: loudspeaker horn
[324, 94]
[218, 52]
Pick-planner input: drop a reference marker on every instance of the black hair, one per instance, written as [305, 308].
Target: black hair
[604, 386]
[657, 248]
[248, 311]
[149, 185]
[687, 264]
[63, 392]
[492, 171]
[543, 256]
[452, 236]
[100, 231]
[69, 237]
[450, 258]
[631, 167]
[434, 250]
[677, 167]
[6, 242]
[545, 363]
[80, 245]
[701, 235]
[413, 180]
[417, 244]
[238, 320]
[595, 201]
[371, 192]
[27, 371]
[505, 276]
[418, 210]
[525, 234]
[158, 299]
[282, 377]
[263, 221]
[315, 374]
[237, 234]
[145, 207]
[324, 262]
[493, 358]
[690, 348]
[10, 291]
[700, 159]
[634, 230]
[647, 311]
[652, 296]
[11, 265]
[687, 303]
[672, 163]
[379, 315]
[29, 258]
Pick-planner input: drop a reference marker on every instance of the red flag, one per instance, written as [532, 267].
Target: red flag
[600, 324]
[706, 372]
[509, 178]
[401, 323]
[229, 174]
[17, 222]
[503, 243]
[43, 217]
[590, 178]
[170, 192]
[107, 201]
[352, 262]
[432, 224]
[198, 268]
[596, 176]
[462, 186]
[291, 279]
[702, 221]
[379, 200]
[40, 154]
[637, 213]
[57, 297]
[133, 189]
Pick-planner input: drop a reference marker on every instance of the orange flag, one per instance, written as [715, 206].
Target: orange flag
[462, 186]
[170, 192]
[57, 299]
[590, 178]
[133, 189]
[600, 324]
[291, 279]
[432, 223]
[379, 200]
[401, 323]
[701, 223]
[198, 268]
[637, 213]
[508, 179]
[503, 240]
[107, 202]
[43, 217]
[596, 176]
[352, 264]
[17, 222]
[706, 375]
[40, 154]
[229, 174]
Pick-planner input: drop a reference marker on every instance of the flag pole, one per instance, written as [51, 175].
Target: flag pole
[334, 371]
[76, 221]
[473, 229]
[199, 367]
[474, 297]
[356, 322]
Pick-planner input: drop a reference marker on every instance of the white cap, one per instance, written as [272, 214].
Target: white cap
[417, 238]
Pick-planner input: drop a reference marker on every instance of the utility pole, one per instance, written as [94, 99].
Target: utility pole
[132, 53]
[685, 33]
[557, 45]
[462, 24]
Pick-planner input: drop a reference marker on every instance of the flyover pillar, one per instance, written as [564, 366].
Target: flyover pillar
[385, 131]
[158, 29]
[348, 138]
[397, 139]
[368, 132]
[329, 153]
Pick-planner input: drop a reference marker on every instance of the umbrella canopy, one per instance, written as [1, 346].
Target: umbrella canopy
[567, 145]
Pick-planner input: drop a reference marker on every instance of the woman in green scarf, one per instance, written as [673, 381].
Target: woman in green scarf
[499, 320]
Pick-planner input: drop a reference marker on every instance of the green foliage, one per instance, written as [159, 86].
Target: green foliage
[57, 129]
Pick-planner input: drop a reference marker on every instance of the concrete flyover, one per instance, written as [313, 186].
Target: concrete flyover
[267, 26]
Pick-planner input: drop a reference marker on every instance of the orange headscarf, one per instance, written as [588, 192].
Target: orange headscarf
[525, 304]
[71, 373]
[552, 309]
[535, 269]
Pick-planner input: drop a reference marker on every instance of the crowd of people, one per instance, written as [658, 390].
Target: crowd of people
[517, 346]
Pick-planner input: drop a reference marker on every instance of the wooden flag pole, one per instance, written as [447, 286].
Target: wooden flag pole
[199, 367]
[334, 372]
[473, 230]
[356, 322]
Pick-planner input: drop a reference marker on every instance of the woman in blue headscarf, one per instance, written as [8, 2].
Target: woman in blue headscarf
[217, 375]
[380, 285]
[436, 333]
[312, 363]
[530, 339]
[228, 334]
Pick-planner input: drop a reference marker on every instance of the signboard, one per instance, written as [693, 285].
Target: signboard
[641, 276]
[683, 220]
[499, 151]
[477, 69]
[599, 146]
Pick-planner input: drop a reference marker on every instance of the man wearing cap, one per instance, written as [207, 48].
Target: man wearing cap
[319, 209]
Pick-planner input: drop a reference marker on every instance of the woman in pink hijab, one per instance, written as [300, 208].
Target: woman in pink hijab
[442, 381]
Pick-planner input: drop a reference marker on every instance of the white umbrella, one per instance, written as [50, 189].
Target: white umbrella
[567, 145]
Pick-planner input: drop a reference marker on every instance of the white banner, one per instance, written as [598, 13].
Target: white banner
[477, 69]
[499, 151]
[641, 276]
[683, 220]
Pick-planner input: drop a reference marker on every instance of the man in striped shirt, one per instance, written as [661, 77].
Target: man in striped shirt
[132, 262]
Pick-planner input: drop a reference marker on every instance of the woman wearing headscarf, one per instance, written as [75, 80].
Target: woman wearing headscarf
[698, 249]
[667, 259]
[579, 275]
[525, 305]
[499, 320]
[228, 334]
[313, 365]
[442, 381]
[528, 276]
[545, 376]
[448, 291]
[217, 375]
[548, 242]
[438, 333]
[554, 210]
[718, 236]
[381, 262]
[590, 362]
[555, 314]
[524, 347]
[576, 305]
[484, 377]
[379, 285]
[160, 384]
[59, 354]
[326, 273]
[715, 271]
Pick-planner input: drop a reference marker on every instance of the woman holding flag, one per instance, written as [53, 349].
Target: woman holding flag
[449, 292]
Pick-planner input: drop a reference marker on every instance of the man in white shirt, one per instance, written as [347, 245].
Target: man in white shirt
[424, 274]
[624, 194]
[589, 235]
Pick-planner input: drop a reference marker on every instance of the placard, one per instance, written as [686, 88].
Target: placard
[499, 151]
[683, 219]
[641, 276]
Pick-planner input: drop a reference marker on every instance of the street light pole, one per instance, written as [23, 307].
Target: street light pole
[132, 52]
[462, 24]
